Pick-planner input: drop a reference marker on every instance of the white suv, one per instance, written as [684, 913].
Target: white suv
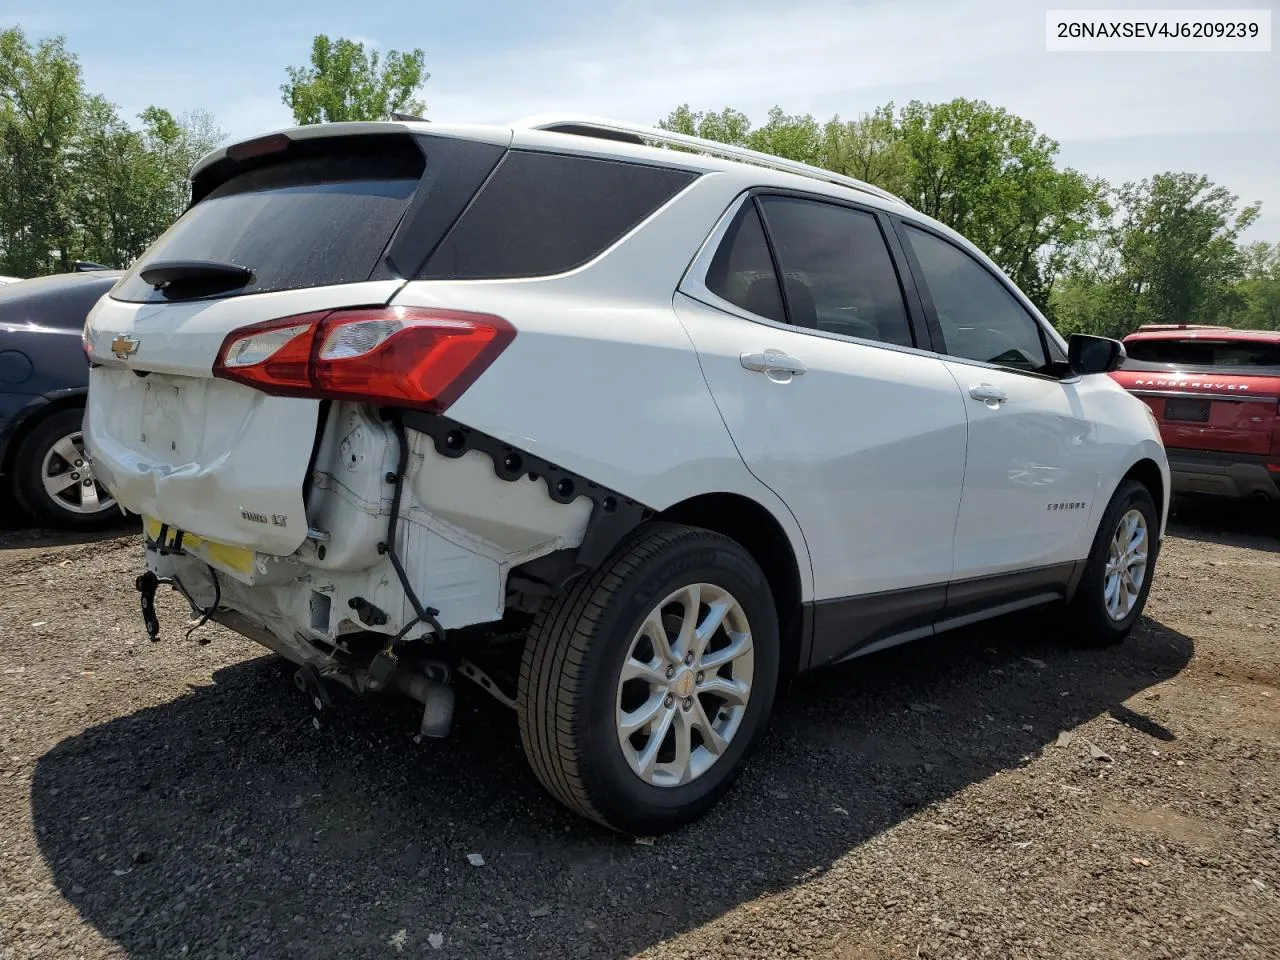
[663, 422]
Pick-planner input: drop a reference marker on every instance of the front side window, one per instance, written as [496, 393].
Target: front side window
[980, 319]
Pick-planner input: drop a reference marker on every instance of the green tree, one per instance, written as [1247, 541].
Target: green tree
[991, 176]
[1258, 294]
[728, 126]
[1177, 244]
[1170, 254]
[867, 148]
[131, 184]
[41, 101]
[77, 182]
[792, 136]
[346, 82]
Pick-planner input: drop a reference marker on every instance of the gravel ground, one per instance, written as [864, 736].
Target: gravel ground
[986, 794]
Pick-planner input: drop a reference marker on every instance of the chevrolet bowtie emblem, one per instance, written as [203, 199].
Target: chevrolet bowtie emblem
[124, 347]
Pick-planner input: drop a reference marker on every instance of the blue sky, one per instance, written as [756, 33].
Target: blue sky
[1121, 116]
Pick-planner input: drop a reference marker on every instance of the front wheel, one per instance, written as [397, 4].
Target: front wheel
[1117, 576]
[644, 688]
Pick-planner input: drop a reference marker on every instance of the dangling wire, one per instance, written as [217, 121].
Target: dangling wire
[204, 612]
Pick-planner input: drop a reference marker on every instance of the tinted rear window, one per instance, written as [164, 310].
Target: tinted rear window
[1244, 356]
[742, 271]
[305, 222]
[545, 213]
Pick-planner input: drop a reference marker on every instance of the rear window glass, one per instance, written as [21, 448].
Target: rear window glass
[305, 222]
[1242, 355]
[545, 213]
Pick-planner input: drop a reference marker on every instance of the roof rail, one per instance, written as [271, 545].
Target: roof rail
[638, 133]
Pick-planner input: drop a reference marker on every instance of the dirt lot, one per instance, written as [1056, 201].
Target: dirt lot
[173, 800]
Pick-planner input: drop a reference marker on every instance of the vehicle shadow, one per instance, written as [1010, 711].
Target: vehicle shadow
[21, 532]
[223, 823]
[1255, 526]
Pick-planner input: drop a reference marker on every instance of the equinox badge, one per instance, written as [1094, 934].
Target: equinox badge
[124, 347]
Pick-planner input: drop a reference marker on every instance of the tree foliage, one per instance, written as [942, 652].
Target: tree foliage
[76, 181]
[344, 81]
[1172, 256]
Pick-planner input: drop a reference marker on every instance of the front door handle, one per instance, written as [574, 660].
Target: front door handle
[988, 394]
[773, 362]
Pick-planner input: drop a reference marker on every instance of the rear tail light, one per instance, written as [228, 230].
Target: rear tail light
[399, 356]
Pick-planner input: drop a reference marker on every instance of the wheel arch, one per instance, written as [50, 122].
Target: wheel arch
[755, 528]
[34, 415]
[1147, 472]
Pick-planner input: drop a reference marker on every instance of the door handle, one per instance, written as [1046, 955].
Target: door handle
[988, 394]
[771, 362]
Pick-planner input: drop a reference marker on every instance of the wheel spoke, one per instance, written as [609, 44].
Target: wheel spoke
[649, 756]
[682, 728]
[734, 692]
[716, 613]
[89, 497]
[739, 644]
[652, 673]
[653, 629]
[66, 449]
[691, 600]
[58, 482]
[639, 718]
[711, 738]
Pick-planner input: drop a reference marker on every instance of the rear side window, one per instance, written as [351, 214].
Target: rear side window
[1241, 355]
[305, 222]
[545, 213]
[742, 270]
[837, 272]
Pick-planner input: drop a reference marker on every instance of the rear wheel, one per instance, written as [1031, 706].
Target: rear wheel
[1117, 576]
[643, 690]
[53, 479]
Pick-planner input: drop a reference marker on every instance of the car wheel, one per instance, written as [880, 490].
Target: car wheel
[644, 688]
[53, 479]
[1117, 576]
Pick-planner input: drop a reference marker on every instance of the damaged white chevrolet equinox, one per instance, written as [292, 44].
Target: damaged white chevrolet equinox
[624, 426]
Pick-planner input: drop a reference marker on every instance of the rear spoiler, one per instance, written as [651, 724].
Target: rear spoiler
[225, 162]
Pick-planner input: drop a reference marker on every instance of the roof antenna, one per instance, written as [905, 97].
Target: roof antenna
[408, 118]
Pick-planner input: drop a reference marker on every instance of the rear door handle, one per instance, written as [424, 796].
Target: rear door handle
[990, 395]
[773, 362]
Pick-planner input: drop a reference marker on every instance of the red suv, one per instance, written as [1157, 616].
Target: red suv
[1214, 392]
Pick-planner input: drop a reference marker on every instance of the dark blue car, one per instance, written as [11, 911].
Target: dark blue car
[44, 378]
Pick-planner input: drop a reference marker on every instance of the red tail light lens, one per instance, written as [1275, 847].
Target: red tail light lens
[399, 356]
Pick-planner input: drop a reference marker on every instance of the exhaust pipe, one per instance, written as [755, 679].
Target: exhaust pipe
[430, 686]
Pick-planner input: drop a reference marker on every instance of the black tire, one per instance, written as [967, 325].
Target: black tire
[1088, 620]
[571, 667]
[28, 474]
